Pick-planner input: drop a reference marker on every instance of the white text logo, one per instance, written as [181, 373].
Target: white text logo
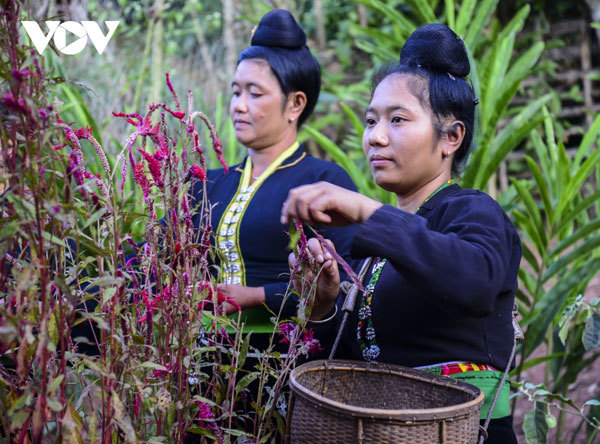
[59, 30]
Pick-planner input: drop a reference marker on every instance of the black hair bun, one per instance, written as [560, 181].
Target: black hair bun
[279, 29]
[436, 47]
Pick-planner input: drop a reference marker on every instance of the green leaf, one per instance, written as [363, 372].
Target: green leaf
[532, 209]
[95, 217]
[382, 53]
[338, 156]
[394, 16]
[354, 120]
[526, 224]
[450, 15]
[530, 363]
[380, 38]
[591, 333]
[244, 351]
[589, 139]
[582, 174]
[55, 383]
[529, 281]
[541, 187]
[530, 258]
[9, 230]
[423, 10]
[18, 419]
[485, 9]
[580, 233]
[577, 210]
[511, 136]
[535, 425]
[464, 17]
[519, 70]
[154, 365]
[245, 382]
[583, 250]
[551, 303]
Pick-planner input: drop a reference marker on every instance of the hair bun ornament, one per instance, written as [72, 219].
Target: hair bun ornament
[435, 47]
[279, 29]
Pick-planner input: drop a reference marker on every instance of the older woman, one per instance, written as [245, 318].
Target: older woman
[440, 286]
[274, 91]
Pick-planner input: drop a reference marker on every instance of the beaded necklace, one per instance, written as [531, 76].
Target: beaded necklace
[365, 330]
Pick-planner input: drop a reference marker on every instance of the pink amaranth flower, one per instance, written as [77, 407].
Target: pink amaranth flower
[76, 170]
[301, 248]
[349, 271]
[177, 114]
[20, 75]
[140, 177]
[161, 374]
[136, 407]
[207, 303]
[198, 172]
[155, 167]
[287, 330]
[308, 344]
[207, 419]
[170, 86]
[12, 103]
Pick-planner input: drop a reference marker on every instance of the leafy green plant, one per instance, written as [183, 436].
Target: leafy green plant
[557, 215]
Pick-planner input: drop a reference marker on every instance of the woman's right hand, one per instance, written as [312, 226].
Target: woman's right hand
[328, 283]
[329, 204]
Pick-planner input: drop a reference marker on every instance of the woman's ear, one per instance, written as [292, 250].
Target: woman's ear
[295, 105]
[453, 137]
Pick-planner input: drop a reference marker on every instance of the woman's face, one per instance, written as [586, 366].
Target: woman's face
[399, 141]
[257, 109]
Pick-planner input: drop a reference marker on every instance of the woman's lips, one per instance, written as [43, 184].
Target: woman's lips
[379, 161]
[240, 123]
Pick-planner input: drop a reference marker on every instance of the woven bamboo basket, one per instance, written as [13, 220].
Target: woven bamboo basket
[359, 402]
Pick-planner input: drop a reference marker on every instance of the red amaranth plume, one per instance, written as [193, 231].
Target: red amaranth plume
[198, 172]
[175, 97]
[154, 165]
[216, 143]
[339, 260]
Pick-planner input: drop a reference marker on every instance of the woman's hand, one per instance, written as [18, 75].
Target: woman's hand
[240, 296]
[328, 284]
[325, 203]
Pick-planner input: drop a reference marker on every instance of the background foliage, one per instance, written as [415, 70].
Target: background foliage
[554, 202]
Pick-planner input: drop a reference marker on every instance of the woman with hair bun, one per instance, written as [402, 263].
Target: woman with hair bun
[442, 266]
[274, 90]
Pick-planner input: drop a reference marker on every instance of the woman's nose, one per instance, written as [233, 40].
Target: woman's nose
[379, 135]
[238, 104]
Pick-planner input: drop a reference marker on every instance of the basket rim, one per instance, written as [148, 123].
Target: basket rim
[453, 411]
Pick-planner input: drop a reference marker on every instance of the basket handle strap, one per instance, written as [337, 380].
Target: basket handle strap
[351, 291]
[518, 336]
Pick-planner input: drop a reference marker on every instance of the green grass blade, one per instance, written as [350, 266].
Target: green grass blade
[339, 156]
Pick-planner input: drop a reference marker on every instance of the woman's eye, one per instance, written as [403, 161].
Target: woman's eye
[255, 94]
[397, 119]
[370, 122]
[235, 93]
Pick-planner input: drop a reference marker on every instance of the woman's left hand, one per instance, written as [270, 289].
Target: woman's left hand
[325, 203]
[244, 297]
